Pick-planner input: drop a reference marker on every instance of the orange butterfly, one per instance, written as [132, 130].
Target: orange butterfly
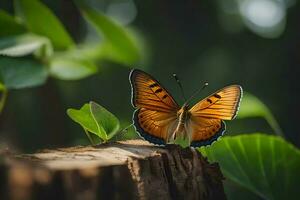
[160, 120]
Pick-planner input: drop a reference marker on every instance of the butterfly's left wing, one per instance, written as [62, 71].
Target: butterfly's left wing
[154, 126]
[156, 111]
[206, 121]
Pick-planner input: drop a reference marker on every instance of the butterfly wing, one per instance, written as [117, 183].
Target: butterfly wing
[206, 121]
[223, 104]
[156, 110]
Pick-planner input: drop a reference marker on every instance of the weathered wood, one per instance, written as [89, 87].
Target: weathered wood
[131, 169]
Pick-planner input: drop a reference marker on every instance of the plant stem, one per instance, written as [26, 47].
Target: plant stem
[3, 99]
[89, 136]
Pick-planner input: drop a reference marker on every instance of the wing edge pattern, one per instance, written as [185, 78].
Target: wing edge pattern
[144, 134]
[209, 141]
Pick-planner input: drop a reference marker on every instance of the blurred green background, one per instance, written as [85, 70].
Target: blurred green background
[251, 43]
[60, 54]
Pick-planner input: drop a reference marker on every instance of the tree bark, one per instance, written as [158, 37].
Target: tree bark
[132, 169]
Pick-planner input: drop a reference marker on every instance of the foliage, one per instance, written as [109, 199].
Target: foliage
[266, 165]
[97, 120]
[9, 26]
[251, 106]
[40, 20]
[71, 69]
[119, 44]
[36, 32]
[25, 44]
[19, 73]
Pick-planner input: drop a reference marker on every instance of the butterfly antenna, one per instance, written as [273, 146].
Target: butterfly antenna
[180, 86]
[196, 92]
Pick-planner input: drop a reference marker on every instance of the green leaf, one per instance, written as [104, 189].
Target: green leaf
[265, 165]
[41, 20]
[251, 106]
[9, 26]
[95, 119]
[119, 44]
[105, 119]
[66, 68]
[86, 120]
[19, 73]
[2, 87]
[25, 44]
[91, 52]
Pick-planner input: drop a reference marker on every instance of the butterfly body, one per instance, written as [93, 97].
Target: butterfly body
[183, 116]
[160, 120]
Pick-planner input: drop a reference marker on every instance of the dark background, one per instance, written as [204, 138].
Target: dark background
[199, 40]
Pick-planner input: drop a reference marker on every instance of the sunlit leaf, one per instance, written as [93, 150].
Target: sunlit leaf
[106, 119]
[95, 119]
[251, 106]
[25, 44]
[66, 68]
[41, 20]
[9, 26]
[86, 120]
[19, 73]
[119, 44]
[266, 165]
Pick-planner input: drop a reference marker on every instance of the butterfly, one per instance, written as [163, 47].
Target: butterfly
[160, 120]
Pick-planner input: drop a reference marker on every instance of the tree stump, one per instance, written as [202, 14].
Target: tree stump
[132, 169]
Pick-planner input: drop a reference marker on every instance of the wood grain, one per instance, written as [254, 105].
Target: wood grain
[133, 169]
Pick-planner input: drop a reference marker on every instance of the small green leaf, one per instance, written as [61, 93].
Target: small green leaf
[25, 44]
[19, 73]
[95, 119]
[119, 44]
[86, 120]
[266, 165]
[9, 26]
[251, 106]
[105, 119]
[71, 69]
[41, 20]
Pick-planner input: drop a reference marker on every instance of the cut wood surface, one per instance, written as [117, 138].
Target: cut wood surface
[132, 169]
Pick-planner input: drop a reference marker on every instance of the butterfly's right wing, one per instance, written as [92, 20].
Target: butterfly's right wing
[206, 121]
[156, 114]
[203, 131]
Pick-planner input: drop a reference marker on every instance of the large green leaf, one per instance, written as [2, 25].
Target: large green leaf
[9, 26]
[66, 68]
[251, 106]
[16, 73]
[106, 119]
[41, 20]
[95, 119]
[119, 44]
[266, 165]
[25, 44]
